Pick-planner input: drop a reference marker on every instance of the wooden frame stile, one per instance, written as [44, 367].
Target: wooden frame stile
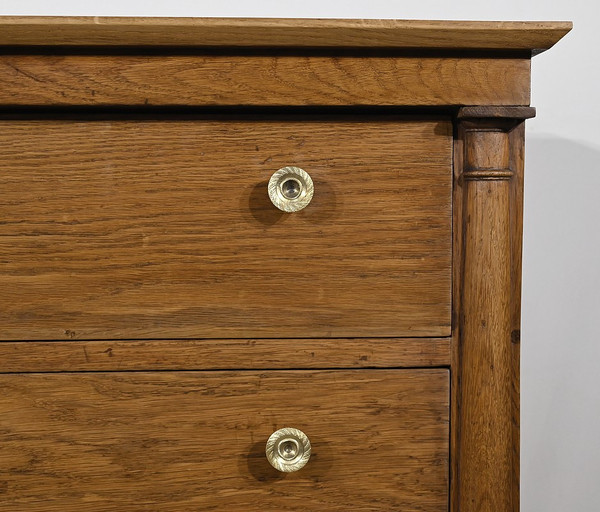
[487, 213]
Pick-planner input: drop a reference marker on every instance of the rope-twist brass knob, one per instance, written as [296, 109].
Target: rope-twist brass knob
[288, 449]
[291, 189]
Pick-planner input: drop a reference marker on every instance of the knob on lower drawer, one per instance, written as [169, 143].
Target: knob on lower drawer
[291, 189]
[288, 449]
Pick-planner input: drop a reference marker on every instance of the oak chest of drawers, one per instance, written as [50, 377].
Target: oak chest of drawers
[261, 264]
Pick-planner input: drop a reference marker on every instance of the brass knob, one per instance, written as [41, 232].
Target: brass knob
[291, 189]
[288, 449]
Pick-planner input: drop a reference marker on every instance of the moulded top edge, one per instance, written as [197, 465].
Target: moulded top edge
[535, 36]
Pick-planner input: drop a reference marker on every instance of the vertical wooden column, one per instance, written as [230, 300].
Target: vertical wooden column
[488, 228]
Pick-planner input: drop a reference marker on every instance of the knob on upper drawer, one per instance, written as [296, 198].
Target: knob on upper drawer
[291, 189]
[288, 449]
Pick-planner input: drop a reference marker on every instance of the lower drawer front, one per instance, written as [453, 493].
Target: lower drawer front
[182, 441]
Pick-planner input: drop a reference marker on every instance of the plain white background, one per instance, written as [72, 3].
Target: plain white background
[560, 382]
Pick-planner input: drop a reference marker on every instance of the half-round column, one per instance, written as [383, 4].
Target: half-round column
[487, 302]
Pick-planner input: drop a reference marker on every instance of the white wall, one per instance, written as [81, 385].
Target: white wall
[561, 284]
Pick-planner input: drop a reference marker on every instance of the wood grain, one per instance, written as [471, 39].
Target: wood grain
[486, 444]
[517, 156]
[135, 235]
[121, 355]
[212, 80]
[164, 229]
[495, 112]
[294, 33]
[457, 272]
[516, 137]
[183, 441]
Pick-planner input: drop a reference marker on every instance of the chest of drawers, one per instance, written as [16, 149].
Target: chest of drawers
[261, 264]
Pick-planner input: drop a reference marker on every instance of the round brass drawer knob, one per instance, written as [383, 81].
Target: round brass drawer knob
[288, 449]
[291, 189]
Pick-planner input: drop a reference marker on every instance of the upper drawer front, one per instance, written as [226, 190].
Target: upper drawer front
[164, 228]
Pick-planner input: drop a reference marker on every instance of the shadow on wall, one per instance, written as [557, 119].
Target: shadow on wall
[562, 231]
[560, 385]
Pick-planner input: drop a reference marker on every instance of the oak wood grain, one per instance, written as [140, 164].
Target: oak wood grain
[122, 355]
[517, 163]
[495, 112]
[212, 80]
[158, 226]
[455, 366]
[263, 32]
[164, 229]
[195, 441]
[486, 444]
